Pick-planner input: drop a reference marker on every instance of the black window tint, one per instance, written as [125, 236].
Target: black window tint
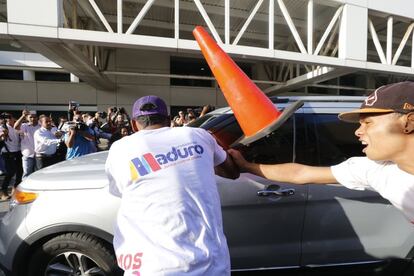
[275, 148]
[189, 66]
[225, 129]
[324, 140]
[199, 122]
[52, 76]
[11, 74]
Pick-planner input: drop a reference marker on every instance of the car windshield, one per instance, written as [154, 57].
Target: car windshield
[202, 120]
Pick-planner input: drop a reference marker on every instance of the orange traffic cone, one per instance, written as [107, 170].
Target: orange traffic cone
[255, 112]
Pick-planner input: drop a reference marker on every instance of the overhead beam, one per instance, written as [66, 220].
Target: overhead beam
[328, 30]
[119, 17]
[246, 24]
[313, 77]
[96, 38]
[90, 12]
[72, 59]
[377, 43]
[271, 24]
[291, 26]
[190, 28]
[310, 26]
[214, 10]
[101, 16]
[402, 44]
[389, 39]
[175, 76]
[219, 10]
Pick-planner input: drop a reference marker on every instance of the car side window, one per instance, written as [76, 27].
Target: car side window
[277, 147]
[324, 140]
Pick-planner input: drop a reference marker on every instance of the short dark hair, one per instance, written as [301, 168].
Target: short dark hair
[154, 119]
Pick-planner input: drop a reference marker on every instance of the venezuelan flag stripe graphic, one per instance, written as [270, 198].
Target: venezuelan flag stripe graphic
[139, 166]
[152, 162]
[133, 170]
[145, 164]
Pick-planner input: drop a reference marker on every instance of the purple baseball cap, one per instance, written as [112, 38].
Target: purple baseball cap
[149, 105]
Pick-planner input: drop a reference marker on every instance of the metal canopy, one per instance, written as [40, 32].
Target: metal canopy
[334, 37]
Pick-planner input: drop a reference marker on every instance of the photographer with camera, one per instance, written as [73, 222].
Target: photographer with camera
[78, 138]
[11, 154]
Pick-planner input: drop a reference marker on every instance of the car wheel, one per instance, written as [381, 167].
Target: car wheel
[73, 254]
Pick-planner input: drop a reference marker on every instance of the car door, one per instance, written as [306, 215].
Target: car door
[263, 231]
[343, 225]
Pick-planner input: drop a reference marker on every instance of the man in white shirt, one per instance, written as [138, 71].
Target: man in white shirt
[12, 156]
[169, 221]
[45, 142]
[387, 130]
[26, 131]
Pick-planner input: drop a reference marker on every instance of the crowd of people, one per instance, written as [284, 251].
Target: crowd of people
[184, 118]
[32, 142]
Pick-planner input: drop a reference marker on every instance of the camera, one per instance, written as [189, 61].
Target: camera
[102, 114]
[78, 126]
[5, 116]
[73, 105]
[81, 126]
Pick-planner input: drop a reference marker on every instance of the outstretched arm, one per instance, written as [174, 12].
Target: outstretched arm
[288, 172]
[228, 169]
[19, 121]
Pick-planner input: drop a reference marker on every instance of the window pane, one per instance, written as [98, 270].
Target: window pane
[324, 140]
[190, 67]
[276, 148]
[11, 74]
[196, 67]
[52, 76]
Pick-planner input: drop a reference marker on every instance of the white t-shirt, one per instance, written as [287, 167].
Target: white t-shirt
[13, 140]
[169, 221]
[386, 178]
[27, 139]
[45, 141]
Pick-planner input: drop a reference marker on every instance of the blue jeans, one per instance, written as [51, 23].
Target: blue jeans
[29, 165]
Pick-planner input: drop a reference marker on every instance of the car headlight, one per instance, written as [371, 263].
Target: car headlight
[22, 197]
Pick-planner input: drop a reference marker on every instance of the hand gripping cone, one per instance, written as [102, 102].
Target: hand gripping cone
[255, 112]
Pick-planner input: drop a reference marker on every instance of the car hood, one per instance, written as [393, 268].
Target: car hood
[85, 172]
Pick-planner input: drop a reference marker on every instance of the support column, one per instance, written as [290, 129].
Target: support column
[73, 78]
[353, 33]
[29, 75]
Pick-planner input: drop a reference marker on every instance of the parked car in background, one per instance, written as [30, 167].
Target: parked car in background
[61, 220]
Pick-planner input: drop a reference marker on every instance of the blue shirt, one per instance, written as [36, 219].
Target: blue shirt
[81, 146]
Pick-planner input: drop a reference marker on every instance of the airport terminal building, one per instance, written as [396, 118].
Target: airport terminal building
[104, 53]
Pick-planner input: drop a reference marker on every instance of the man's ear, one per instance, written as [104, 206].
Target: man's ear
[134, 125]
[409, 123]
